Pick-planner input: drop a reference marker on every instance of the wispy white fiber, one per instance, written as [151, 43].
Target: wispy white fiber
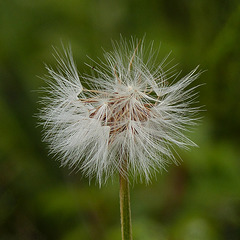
[134, 110]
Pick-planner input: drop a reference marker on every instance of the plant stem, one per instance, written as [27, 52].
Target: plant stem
[125, 210]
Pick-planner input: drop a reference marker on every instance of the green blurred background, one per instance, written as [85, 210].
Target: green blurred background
[199, 200]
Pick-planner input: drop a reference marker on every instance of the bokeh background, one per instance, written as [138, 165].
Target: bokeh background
[198, 200]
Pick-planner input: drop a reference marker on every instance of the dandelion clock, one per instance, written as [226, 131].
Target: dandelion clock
[126, 118]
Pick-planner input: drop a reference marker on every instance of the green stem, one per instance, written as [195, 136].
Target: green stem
[125, 210]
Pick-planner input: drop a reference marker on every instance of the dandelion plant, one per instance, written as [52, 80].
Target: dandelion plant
[126, 117]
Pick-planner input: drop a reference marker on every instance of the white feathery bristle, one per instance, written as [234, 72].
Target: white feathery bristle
[135, 112]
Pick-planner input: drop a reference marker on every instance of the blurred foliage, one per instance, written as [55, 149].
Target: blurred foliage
[198, 200]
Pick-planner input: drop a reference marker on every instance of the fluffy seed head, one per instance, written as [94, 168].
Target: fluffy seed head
[129, 112]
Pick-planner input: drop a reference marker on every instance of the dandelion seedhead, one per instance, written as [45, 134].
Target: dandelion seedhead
[129, 112]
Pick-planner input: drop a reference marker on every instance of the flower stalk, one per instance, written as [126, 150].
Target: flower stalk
[125, 209]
